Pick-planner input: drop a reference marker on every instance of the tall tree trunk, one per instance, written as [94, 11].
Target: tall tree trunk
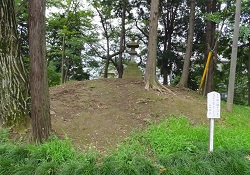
[13, 77]
[230, 94]
[106, 69]
[150, 74]
[168, 19]
[122, 39]
[165, 72]
[210, 41]
[185, 72]
[40, 114]
[64, 61]
[168, 64]
[164, 64]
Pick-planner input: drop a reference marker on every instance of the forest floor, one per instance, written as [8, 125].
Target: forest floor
[100, 113]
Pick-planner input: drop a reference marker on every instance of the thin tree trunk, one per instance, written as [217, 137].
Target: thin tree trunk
[122, 39]
[230, 93]
[105, 28]
[184, 76]
[13, 77]
[63, 60]
[150, 75]
[40, 114]
[66, 70]
[107, 60]
[168, 62]
[164, 64]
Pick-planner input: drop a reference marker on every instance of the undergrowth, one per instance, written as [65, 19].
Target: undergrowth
[174, 147]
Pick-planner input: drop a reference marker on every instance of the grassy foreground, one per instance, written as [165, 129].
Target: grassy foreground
[174, 146]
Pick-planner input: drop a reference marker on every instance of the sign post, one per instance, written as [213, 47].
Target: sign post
[213, 111]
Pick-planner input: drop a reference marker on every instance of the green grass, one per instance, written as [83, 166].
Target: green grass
[174, 147]
[47, 158]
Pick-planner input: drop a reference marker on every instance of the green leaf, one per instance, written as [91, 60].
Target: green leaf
[215, 17]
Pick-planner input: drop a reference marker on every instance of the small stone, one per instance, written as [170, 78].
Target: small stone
[52, 112]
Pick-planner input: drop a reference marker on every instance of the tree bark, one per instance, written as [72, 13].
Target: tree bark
[13, 77]
[185, 72]
[166, 47]
[106, 68]
[150, 74]
[40, 114]
[122, 39]
[64, 61]
[165, 71]
[210, 42]
[168, 19]
[230, 94]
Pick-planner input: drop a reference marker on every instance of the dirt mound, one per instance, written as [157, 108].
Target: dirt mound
[99, 113]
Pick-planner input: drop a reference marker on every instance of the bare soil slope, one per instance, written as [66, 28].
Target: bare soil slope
[99, 113]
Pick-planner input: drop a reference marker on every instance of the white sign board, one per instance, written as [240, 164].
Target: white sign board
[213, 105]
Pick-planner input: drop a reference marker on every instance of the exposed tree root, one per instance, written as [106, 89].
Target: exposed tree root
[156, 85]
[165, 88]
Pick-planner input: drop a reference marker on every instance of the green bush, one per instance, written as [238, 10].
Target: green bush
[4, 136]
[54, 77]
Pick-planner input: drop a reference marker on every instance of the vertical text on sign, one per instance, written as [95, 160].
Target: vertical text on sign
[213, 105]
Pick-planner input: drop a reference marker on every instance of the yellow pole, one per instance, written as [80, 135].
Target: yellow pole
[205, 70]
